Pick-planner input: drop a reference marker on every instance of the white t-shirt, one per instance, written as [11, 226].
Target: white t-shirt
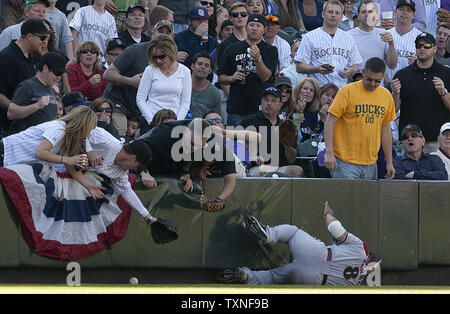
[318, 47]
[369, 43]
[284, 52]
[94, 26]
[157, 91]
[444, 159]
[20, 148]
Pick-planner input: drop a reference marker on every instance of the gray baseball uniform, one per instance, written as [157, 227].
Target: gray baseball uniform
[312, 261]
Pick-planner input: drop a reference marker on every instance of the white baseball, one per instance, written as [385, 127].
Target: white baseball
[275, 176]
[134, 281]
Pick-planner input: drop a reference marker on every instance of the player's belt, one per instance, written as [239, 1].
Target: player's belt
[325, 277]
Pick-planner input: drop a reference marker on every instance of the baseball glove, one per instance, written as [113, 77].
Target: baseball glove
[288, 133]
[163, 231]
[213, 206]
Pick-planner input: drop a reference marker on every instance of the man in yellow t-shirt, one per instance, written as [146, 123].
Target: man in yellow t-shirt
[358, 122]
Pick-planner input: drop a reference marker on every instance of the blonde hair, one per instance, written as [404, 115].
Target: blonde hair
[315, 103]
[79, 123]
[91, 45]
[164, 43]
[248, 2]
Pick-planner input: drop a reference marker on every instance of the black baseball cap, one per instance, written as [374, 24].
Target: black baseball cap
[198, 13]
[427, 37]
[141, 150]
[225, 24]
[115, 42]
[55, 61]
[28, 2]
[413, 127]
[273, 18]
[257, 18]
[272, 91]
[282, 80]
[74, 99]
[34, 26]
[409, 3]
[135, 6]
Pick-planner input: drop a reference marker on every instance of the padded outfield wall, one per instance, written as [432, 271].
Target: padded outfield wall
[405, 222]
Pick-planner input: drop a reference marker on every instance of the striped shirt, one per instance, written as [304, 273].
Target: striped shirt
[405, 46]
[107, 146]
[284, 52]
[431, 7]
[93, 26]
[318, 47]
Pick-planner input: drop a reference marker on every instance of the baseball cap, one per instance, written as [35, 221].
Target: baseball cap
[115, 42]
[445, 127]
[135, 6]
[225, 24]
[166, 23]
[28, 2]
[55, 61]
[272, 91]
[409, 3]
[413, 127]
[427, 37]
[74, 99]
[257, 18]
[282, 80]
[34, 26]
[273, 18]
[198, 13]
[142, 152]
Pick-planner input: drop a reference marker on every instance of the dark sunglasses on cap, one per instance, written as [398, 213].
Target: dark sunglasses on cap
[236, 14]
[271, 18]
[211, 4]
[214, 121]
[411, 135]
[426, 46]
[100, 109]
[41, 37]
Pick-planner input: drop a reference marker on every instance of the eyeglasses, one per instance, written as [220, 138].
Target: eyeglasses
[160, 57]
[411, 135]
[236, 14]
[41, 37]
[271, 18]
[100, 109]
[426, 46]
[215, 121]
[211, 4]
[92, 51]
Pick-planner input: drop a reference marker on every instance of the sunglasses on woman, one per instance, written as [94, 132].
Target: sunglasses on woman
[92, 51]
[211, 4]
[236, 14]
[100, 109]
[160, 57]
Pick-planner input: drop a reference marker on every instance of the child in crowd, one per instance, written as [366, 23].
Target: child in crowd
[64, 39]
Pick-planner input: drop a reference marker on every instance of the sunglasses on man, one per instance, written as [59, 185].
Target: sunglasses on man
[41, 37]
[271, 18]
[214, 121]
[426, 46]
[411, 135]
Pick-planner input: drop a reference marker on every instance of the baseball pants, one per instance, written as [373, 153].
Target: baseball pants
[309, 257]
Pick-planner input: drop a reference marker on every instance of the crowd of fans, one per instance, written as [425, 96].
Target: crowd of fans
[361, 86]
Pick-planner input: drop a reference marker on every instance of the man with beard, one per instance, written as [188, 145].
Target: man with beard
[248, 67]
[420, 92]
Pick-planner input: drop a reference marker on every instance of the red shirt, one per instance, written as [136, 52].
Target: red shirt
[80, 82]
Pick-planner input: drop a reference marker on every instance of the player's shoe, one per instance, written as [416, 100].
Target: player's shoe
[235, 275]
[256, 227]
[373, 261]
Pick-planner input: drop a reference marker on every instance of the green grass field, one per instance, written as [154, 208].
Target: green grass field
[217, 289]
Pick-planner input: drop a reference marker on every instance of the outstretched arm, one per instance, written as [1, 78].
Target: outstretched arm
[333, 225]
